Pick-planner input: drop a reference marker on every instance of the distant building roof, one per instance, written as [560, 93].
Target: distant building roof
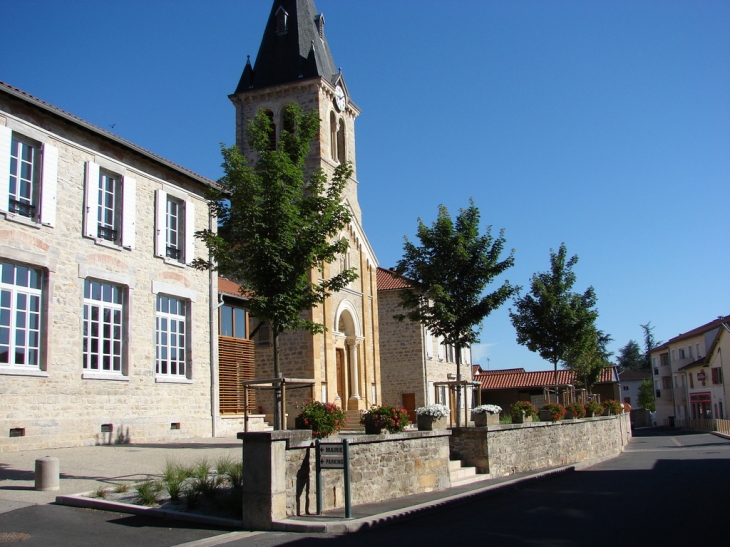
[226, 286]
[504, 371]
[388, 281]
[629, 375]
[28, 98]
[512, 380]
[694, 332]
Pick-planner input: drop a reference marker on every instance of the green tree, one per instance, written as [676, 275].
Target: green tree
[278, 227]
[588, 357]
[646, 395]
[551, 319]
[448, 274]
[630, 357]
[649, 344]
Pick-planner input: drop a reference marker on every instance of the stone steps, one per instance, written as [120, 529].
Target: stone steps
[460, 475]
[352, 422]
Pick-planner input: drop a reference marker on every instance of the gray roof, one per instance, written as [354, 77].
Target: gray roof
[295, 55]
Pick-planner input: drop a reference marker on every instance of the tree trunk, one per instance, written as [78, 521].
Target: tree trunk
[277, 374]
[457, 349]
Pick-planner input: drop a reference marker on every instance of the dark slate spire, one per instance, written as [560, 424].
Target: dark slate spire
[293, 48]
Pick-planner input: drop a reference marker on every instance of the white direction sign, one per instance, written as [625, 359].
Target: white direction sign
[331, 456]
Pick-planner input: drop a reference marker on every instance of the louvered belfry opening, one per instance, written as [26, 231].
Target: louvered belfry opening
[235, 365]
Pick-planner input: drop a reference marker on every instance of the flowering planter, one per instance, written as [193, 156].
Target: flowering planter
[569, 415]
[546, 416]
[590, 414]
[430, 423]
[483, 419]
[373, 429]
[521, 418]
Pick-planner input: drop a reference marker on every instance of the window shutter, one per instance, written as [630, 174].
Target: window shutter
[441, 348]
[91, 222]
[189, 231]
[160, 226]
[129, 211]
[49, 185]
[429, 344]
[5, 139]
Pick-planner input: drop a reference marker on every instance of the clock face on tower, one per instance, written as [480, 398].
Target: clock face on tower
[339, 98]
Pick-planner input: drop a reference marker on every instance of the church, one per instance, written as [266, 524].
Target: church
[295, 64]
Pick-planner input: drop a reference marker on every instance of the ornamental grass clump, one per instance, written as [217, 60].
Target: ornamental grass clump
[388, 417]
[490, 409]
[434, 411]
[523, 407]
[324, 419]
[577, 409]
[557, 411]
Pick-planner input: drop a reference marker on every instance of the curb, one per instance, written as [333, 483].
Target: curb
[389, 517]
[79, 500]
[718, 434]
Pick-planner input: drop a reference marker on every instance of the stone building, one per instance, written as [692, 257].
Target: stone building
[416, 366]
[294, 64]
[105, 330]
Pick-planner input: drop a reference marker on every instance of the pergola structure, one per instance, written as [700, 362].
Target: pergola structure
[272, 384]
[453, 385]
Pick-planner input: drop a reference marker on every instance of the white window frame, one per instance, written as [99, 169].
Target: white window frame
[429, 344]
[112, 344]
[44, 178]
[125, 212]
[168, 328]
[18, 318]
[185, 229]
[441, 348]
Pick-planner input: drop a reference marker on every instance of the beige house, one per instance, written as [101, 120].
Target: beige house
[104, 329]
[689, 374]
[416, 366]
[294, 64]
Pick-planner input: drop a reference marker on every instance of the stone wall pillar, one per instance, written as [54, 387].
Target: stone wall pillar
[264, 475]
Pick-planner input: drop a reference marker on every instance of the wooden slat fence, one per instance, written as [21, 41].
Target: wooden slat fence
[721, 426]
[235, 364]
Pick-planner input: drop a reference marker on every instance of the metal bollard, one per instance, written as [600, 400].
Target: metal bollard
[46, 474]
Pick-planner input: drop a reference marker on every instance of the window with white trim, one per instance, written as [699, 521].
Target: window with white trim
[171, 337]
[175, 228]
[20, 316]
[28, 178]
[110, 212]
[102, 331]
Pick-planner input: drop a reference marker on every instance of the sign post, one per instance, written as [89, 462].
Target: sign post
[333, 456]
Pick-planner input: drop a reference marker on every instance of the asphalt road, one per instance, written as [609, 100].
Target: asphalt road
[668, 488]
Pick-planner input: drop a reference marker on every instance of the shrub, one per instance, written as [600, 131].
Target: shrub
[525, 407]
[595, 407]
[323, 419]
[614, 407]
[491, 409]
[577, 409]
[435, 411]
[388, 417]
[148, 492]
[556, 411]
[173, 478]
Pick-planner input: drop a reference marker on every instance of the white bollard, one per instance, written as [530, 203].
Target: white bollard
[46, 474]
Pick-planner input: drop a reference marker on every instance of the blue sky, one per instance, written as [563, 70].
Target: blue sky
[601, 124]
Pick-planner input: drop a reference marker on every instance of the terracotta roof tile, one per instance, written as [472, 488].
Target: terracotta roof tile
[227, 286]
[387, 281]
[694, 332]
[512, 380]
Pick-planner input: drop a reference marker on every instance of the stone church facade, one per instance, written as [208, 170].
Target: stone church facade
[294, 64]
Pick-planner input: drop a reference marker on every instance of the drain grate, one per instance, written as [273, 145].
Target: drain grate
[11, 537]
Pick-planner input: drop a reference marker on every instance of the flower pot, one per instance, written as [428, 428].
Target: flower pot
[373, 429]
[546, 416]
[606, 411]
[430, 423]
[569, 415]
[483, 419]
[521, 418]
[590, 414]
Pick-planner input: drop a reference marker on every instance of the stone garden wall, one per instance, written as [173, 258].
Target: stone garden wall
[280, 473]
[508, 449]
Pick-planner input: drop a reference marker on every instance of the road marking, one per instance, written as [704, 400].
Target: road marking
[218, 540]
[677, 441]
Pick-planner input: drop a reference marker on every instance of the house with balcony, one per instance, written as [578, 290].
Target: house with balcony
[688, 372]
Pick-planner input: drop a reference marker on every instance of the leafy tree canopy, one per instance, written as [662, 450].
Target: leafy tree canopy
[588, 357]
[630, 357]
[275, 227]
[448, 273]
[646, 395]
[551, 319]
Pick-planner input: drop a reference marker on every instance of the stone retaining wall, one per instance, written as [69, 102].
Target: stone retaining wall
[280, 472]
[508, 449]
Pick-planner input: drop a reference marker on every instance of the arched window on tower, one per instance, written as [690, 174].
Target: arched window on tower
[272, 130]
[333, 136]
[341, 141]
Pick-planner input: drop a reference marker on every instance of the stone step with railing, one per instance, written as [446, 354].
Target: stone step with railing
[460, 475]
